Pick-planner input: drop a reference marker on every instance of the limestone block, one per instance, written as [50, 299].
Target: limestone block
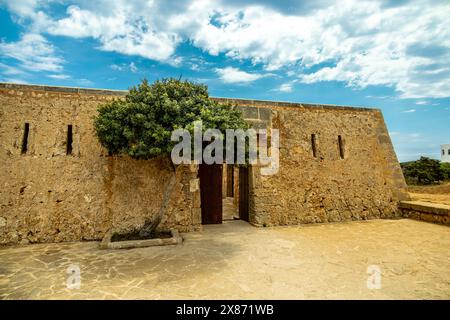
[194, 185]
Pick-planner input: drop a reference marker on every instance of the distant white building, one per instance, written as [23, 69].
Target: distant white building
[445, 153]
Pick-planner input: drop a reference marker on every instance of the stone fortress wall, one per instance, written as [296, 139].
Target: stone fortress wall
[336, 164]
[51, 194]
[47, 195]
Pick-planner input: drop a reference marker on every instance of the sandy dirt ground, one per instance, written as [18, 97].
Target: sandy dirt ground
[434, 193]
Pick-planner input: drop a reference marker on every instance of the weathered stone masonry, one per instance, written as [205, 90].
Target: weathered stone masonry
[366, 183]
[48, 195]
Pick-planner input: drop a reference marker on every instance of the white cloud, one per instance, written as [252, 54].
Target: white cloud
[24, 11]
[10, 70]
[133, 67]
[175, 61]
[402, 50]
[121, 30]
[59, 76]
[116, 67]
[421, 102]
[34, 53]
[198, 64]
[290, 73]
[409, 111]
[23, 8]
[379, 97]
[13, 80]
[362, 43]
[123, 67]
[195, 67]
[406, 138]
[84, 82]
[285, 87]
[234, 75]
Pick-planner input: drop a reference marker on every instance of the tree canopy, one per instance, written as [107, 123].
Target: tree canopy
[141, 125]
[425, 171]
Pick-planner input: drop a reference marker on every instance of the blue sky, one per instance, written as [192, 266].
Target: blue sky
[393, 55]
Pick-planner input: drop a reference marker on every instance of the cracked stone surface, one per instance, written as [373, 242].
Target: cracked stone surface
[238, 261]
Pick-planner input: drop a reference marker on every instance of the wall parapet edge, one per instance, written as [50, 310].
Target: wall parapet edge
[240, 102]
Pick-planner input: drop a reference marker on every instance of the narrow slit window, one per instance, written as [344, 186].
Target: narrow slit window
[314, 145]
[69, 139]
[341, 147]
[26, 133]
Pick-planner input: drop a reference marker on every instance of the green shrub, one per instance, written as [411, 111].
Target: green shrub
[445, 168]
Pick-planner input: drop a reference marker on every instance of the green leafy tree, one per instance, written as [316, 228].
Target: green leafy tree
[141, 125]
[423, 171]
[445, 168]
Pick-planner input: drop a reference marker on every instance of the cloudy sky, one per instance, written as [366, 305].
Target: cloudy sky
[393, 55]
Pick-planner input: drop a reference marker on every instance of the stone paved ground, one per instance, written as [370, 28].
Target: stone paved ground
[237, 261]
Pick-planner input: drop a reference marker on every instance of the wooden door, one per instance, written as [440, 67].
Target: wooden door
[243, 193]
[211, 193]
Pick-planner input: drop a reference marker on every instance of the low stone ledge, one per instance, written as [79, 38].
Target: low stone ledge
[428, 207]
[130, 244]
[426, 211]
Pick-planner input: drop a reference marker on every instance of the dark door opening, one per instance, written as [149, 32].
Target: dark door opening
[230, 180]
[211, 193]
[243, 193]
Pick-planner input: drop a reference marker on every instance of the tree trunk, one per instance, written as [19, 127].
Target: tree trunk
[150, 226]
